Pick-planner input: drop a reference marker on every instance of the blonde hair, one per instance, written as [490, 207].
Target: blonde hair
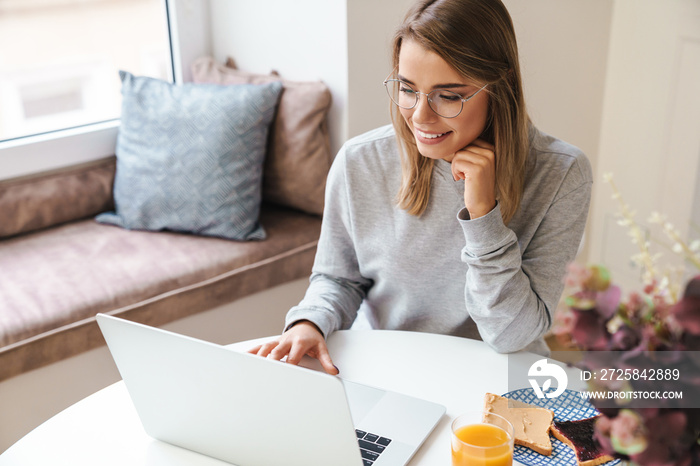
[476, 38]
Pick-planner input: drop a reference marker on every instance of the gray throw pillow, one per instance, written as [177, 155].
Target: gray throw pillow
[190, 157]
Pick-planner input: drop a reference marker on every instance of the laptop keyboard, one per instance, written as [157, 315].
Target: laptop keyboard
[371, 446]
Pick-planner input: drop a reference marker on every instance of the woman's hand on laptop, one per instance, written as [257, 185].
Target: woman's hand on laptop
[302, 339]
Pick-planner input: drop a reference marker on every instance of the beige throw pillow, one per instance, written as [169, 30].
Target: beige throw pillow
[298, 157]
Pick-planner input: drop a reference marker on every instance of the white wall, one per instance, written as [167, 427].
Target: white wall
[563, 53]
[650, 137]
[347, 44]
[371, 26]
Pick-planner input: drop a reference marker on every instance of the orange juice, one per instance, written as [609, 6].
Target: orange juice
[481, 445]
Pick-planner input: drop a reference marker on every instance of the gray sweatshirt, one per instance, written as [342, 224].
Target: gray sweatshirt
[442, 272]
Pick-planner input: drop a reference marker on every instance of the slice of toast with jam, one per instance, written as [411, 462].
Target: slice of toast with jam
[579, 436]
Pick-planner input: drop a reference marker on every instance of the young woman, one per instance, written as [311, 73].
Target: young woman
[460, 219]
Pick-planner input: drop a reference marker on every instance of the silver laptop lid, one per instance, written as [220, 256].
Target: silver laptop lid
[191, 393]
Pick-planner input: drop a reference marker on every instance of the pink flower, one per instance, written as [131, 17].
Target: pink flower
[564, 322]
[650, 338]
[635, 301]
[687, 311]
[600, 320]
[608, 301]
[624, 339]
[603, 426]
[576, 275]
[693, 287]
[668, 441]
[649, 287]
[627, 433]
[590, 331]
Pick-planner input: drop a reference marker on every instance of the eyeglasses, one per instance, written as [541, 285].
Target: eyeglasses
[445, 103]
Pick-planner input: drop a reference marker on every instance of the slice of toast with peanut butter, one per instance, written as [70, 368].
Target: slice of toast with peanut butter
[531, 423]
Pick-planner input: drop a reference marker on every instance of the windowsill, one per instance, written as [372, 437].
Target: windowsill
[38, 153]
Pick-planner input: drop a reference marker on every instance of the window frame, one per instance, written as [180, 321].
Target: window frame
[65, 147]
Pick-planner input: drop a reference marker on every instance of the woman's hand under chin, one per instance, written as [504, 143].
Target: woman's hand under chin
[476, 165]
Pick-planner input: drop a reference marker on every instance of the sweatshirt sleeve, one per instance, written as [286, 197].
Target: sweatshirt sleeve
[512, 294]
[336, 287]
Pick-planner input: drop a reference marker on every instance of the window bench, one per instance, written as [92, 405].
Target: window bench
[59, 267]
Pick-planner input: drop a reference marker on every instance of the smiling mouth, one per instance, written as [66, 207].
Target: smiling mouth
[429, 135]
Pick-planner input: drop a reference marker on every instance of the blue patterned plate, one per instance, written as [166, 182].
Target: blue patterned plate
[568, 406]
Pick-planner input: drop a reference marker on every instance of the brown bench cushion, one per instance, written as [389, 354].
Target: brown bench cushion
[53, 282]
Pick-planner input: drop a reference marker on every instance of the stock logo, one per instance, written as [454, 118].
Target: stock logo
[541, 369]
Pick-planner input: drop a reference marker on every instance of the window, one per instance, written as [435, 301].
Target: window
[59, 60]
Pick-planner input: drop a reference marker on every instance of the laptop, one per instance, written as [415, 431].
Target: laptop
[252, 411]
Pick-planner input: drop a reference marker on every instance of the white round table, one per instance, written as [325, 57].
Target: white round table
[456, 372]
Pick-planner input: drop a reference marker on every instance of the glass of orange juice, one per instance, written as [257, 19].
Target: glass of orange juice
[479, 440]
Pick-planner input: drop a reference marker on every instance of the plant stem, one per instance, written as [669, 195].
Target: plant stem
[636, 232]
